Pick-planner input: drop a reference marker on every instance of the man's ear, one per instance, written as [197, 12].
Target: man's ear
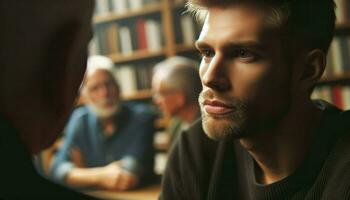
[314, 67]
[181, 98]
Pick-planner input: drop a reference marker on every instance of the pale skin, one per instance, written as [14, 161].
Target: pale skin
[241, 61]
[112, 176]
[173, 103]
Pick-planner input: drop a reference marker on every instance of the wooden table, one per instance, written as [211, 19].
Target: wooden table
[146, 193]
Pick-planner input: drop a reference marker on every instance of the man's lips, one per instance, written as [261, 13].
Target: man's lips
[217, 107]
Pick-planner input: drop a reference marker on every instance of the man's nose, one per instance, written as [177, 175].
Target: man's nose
[215, 74]
[104, 91]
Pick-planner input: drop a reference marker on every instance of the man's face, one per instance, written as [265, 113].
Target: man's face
[246, 80]
[102, 93]
[169, 100]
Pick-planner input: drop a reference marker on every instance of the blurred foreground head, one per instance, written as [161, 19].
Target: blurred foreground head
[43, 52]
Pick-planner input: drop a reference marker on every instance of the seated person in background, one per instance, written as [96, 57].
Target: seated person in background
[43, 58]
[107, 144]
[176, 86]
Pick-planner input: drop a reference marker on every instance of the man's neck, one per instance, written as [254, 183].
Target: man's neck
[280, 150]
[108, 125]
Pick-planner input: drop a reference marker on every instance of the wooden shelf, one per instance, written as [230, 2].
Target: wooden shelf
[342, 29]
[136, 55]
[165, 8]
[145, 193]
[335, 78]
[180, 4]
[162, 122]
[139, 95]
[147, 9]
[343, 26]
[185, 47]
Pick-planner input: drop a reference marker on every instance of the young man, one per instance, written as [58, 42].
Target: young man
[43, 58]
[107, 144]
[176, 86]
[261, 136]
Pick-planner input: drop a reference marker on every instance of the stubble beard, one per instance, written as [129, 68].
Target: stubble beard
[102, 112]
[230, 126]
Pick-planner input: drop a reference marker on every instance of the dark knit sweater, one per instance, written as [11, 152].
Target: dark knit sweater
[200, 168]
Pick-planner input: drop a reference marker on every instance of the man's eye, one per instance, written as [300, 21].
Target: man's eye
[242, 53]
[245, 55]
[207, 53]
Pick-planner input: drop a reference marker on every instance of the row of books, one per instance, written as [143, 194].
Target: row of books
[140, 34]
[188, 28]
[338, 58]
[338, 95]
[342, 11]
[125, 39]
[133, 78]
[107, 7]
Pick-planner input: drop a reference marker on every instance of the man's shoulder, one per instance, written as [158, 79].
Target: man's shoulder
[190, 165]
[339, 123]
[138, 112]
[80, 113]
[337, 165]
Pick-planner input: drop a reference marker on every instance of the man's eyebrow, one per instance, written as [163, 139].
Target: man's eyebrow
[252, 45]
[201, 45]
[233, 45]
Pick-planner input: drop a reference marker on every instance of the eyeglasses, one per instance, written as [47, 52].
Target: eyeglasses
[164, 93]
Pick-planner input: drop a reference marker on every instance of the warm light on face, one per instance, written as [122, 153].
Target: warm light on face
[244, 76]
[168, 99]
[102, 93]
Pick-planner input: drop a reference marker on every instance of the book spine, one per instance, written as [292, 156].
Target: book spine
[112, 36]
[101, 38]
[344, 53]
[337, 96]
[94, 48]
[326, 93]
[125, 40]
[187, 27]
[346, 97]
[119, 6]
[347, 54]
[153, 35]
[133, 35]
[102, 7]
[337, 56]
[316, 94]
[135, 4]
[126, 77]
[340, 11]
[141, 34]
[330, 63]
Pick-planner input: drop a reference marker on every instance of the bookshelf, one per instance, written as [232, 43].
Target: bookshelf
[137, 34]
[146, 9]
[334, 86]
[136, 55]
[345, 77]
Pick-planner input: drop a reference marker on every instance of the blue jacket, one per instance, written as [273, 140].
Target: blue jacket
[132, 142]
